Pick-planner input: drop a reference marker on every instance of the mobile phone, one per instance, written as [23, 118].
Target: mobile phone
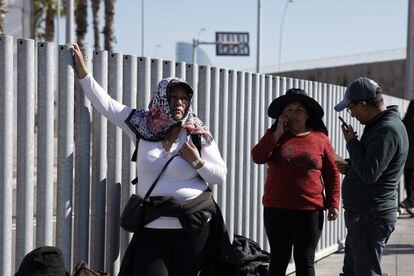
[343, 122]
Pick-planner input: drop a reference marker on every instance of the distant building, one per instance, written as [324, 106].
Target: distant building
[386, 67]
[184, 53]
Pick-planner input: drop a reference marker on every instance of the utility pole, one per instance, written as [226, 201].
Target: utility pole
[259, 34]
[409, 63]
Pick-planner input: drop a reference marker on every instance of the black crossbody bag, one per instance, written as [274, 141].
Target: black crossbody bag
[132, 216]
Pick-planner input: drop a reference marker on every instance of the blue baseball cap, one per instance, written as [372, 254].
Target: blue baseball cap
[359, 90]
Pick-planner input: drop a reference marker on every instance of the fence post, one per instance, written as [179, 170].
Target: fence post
[99, 169]
[129, 98]
[65, 154]
[204, 94]
[168, 69]
[223, 135]
[114, 173]
[144, 82]
[247, 160]
[215, 112]
[83, 117]
[6, 152]
[239, 179]
[25, 147]
[45, 142]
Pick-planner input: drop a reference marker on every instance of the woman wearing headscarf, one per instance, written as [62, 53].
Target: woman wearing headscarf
[171, 242]
[302, 181]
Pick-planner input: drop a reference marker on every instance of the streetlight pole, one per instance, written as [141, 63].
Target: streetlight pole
[142, 28]
[259, 34]
[196, 42]
[281, 32]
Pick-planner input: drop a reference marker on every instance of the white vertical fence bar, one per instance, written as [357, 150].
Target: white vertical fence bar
[99, 169]
[144, 82]
[240, 155]
[113, 188]
[180, 69]
[45, 141]
[268, 99]
[204, 94]
[129, 98]
[25, 147]
[254, 176]
[168, 69]
[223, 135]
[215, 111]
[156, 73]
[231, 159]
[65, 154]
[6, 152]
[247, 160]
[83, 117]
[260, 187]
[192, 79]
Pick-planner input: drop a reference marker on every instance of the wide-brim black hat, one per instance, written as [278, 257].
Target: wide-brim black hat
[295, 95]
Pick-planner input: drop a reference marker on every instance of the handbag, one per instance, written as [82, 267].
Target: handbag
[132, 216]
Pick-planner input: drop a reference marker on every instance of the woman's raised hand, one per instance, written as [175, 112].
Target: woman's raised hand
[281, 126]
[80, 66]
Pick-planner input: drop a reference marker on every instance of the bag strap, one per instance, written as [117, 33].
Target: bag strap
[156, 180]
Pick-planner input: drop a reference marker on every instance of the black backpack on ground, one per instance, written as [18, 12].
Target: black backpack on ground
[253, 261]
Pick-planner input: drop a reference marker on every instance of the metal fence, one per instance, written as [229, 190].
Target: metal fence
[66, 176]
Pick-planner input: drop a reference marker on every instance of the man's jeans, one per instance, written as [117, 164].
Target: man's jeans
[365, 241]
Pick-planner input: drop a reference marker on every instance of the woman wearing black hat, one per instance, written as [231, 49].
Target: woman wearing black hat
[302, 180]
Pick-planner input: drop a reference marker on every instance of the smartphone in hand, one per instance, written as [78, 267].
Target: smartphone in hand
[343, 122]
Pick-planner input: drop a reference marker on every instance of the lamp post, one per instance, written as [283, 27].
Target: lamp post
[259, 34]
[281, 32]
[196, 42]
[142, 28]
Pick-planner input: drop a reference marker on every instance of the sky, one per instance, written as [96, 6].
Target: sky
[312, 28]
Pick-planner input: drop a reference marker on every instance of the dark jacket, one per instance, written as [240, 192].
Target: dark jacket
[377, 162]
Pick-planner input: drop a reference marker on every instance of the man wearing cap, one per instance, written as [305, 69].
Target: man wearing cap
[369, 189]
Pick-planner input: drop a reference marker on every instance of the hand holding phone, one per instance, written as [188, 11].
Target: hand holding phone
[343, 122]
[347, 130]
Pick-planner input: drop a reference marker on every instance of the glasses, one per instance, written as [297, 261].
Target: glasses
[350, 107]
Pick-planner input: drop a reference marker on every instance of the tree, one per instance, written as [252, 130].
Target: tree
[50, 20]
[95, 21]
[81, 15]
[109, 28]
[3, 11]
[44, 12]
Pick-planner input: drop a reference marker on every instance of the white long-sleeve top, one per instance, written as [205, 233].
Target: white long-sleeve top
[180, 180]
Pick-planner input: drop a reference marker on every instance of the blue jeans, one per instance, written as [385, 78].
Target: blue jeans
[365, 241]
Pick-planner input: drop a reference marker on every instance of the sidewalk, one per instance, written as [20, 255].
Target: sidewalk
[398, 258]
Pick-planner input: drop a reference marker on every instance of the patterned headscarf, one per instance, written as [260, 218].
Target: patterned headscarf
[154, 124]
